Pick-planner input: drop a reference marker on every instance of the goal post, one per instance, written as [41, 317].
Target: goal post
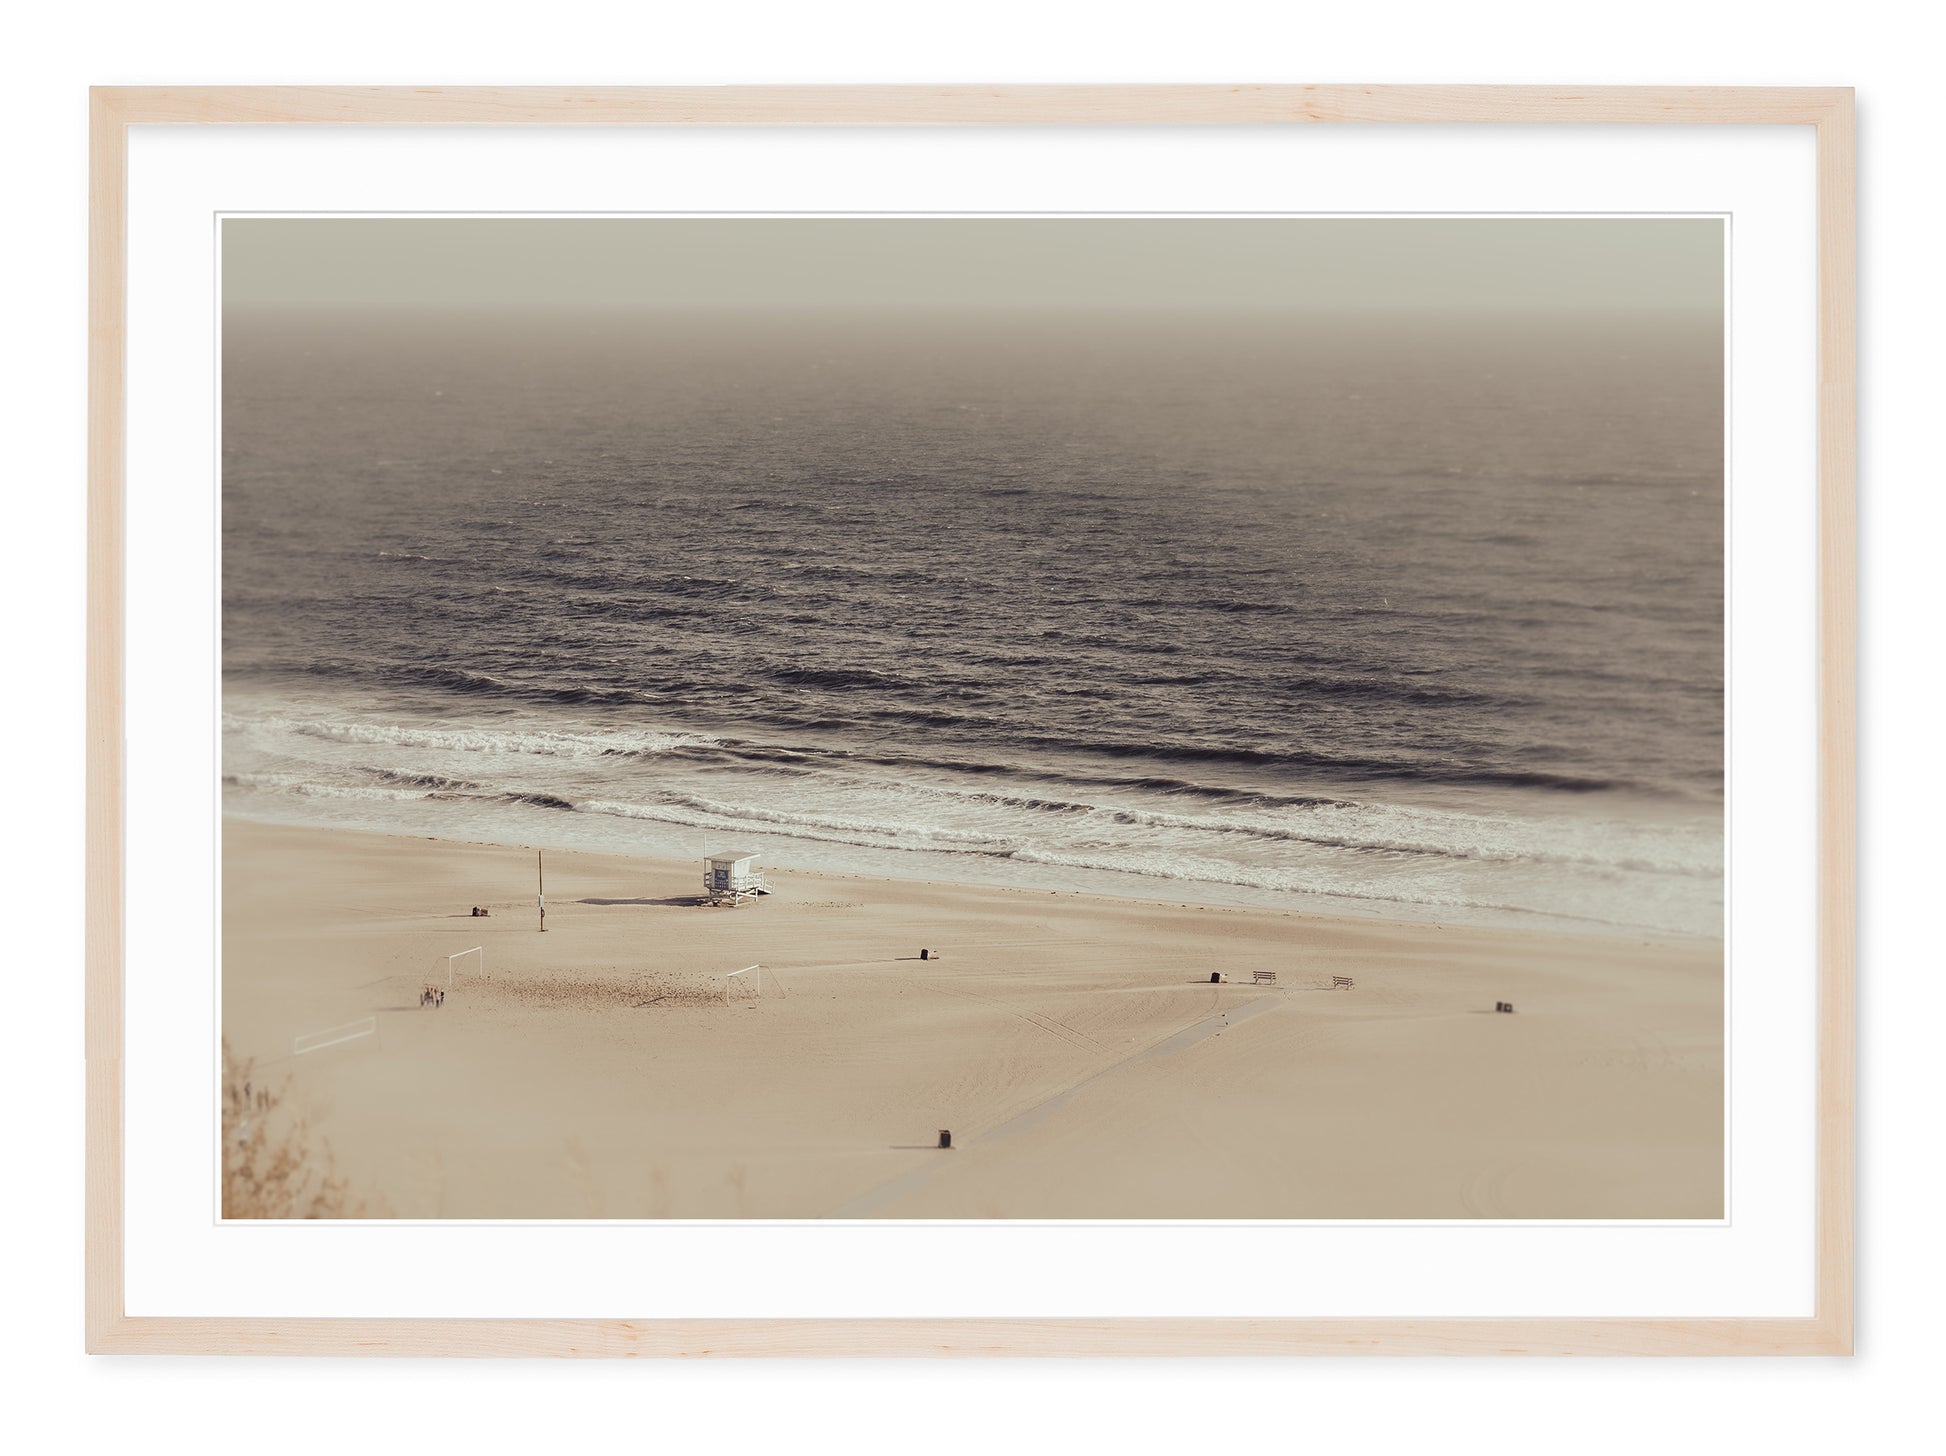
[471, 960]
[747, 982]
[317, 1041]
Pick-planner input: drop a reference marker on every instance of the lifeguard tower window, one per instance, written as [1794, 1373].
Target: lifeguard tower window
[732, 877]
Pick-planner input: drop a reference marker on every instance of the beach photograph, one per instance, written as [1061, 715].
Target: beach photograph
[976, 718]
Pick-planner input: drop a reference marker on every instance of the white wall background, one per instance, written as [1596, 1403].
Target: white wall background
[60, 1399]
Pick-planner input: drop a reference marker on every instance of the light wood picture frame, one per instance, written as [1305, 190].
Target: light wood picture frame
[1828, 112]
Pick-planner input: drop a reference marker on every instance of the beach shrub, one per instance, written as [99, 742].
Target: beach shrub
[278, 1175]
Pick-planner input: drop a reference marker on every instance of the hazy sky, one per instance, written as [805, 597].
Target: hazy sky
[1186, 263]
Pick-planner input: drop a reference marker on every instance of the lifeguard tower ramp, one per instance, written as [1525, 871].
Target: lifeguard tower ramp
[732, 877]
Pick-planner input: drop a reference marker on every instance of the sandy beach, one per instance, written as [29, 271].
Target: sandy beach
[1074, 1045]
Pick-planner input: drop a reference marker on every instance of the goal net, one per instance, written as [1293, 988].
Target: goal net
[471, 962]
[744, 985]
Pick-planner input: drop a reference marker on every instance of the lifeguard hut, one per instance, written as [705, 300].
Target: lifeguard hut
[732, 877]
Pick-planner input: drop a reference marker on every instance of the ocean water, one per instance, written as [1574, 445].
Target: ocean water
[1402, 616]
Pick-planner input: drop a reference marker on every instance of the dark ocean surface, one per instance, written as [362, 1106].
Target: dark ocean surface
[1408, 616]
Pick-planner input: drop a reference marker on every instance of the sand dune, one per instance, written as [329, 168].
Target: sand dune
[1074, 1045]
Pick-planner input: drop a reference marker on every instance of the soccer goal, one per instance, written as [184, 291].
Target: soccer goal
[317, 1041]
[746, 984]
[472, 962]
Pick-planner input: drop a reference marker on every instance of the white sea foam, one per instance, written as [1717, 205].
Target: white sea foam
[506, 777]
[304, 788]
[593, 744]
[701, 814]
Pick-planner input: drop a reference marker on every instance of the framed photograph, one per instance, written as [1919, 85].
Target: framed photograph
[825, 721]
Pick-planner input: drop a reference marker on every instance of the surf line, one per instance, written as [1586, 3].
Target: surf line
[905, 1184]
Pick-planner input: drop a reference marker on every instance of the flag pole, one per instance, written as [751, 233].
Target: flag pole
[540, 875]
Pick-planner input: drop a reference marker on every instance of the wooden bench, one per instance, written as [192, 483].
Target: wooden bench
[1341, 983]
[1263, 978]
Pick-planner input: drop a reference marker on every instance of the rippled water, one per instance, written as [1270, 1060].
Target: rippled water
[1419, 616]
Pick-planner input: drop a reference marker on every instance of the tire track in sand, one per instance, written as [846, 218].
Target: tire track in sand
[906, 1184]
[1071, 1035]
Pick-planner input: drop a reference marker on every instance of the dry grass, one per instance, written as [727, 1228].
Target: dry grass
[584, 991]
[266, 1176]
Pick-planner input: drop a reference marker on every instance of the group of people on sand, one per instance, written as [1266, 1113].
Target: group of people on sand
[432, 996]
[258, 1099]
